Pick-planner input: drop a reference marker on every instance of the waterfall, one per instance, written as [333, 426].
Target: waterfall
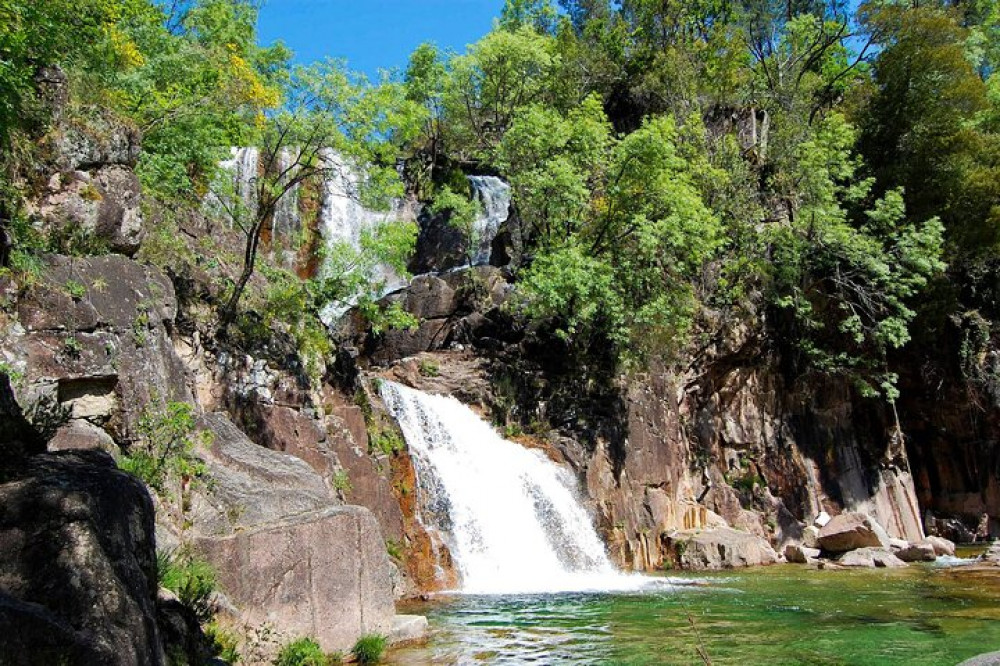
[344, 220]
[512, 517]
[494, 197]
[286, 224]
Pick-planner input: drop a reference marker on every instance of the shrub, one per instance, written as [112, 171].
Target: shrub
[190, 578]
[166, 445]
[305, 652]
[369, 649]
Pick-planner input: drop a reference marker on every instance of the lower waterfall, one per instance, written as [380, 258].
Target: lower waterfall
[511, 517]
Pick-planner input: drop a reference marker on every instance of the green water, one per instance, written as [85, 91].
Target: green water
[777, 615]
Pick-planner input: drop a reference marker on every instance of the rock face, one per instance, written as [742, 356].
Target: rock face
[77, 564]
[729, 443]
[722, 548]
[323, 573]
[850, 531]
[870, 558]
[93, 197]
[92, 344]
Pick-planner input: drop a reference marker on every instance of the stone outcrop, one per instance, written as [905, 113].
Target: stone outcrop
[871, 558]
[850, 531]
[323, 573]
[722, 548]
[92, 198]
[91, 342]
[77, 564]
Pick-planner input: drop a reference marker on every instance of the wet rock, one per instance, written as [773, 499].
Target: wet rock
[849, 531]
[916, 552]
[940, 545]
[871, 558]
[408, 629]
[722, 548]
[77, 564]
[322, 573]
[799, 554]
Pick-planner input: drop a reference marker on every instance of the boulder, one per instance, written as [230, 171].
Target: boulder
[810, 536]
[101, 141]
[916, 552]
[822, 519]
[871, 558]
[408, 629]
[799, 554]
[940, 545]
[81, 435]
[77, 564]
[92, 343]
[722, 548]
[323, 573]
[852, 530]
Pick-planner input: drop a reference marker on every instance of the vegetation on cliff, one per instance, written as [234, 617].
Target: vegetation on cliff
[676, 167]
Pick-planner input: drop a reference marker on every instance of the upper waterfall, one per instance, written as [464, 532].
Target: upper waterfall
[512, 518]
[494, 197]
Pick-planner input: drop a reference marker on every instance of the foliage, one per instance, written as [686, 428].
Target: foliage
[165, 448]
[305, 652]
[193, 580]
[225, 642]
[369, 648]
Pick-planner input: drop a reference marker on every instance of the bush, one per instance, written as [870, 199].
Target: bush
[305, 652]
[190, 578]
[369, 649]
[166, 446]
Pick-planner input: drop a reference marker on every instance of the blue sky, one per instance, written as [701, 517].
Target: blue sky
[373, 34]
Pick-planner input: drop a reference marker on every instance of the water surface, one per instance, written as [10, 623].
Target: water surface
[922, 615]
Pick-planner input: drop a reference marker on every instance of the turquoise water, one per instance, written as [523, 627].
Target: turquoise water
[786, 614]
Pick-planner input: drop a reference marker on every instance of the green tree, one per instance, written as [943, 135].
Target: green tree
[333, 120]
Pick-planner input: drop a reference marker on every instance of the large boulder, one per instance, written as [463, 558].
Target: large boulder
[940, 545]
[77, 564]
[799, 554]
[849, 531]
[871, 558]
[324, 574]
[722, 548]
[916, 552]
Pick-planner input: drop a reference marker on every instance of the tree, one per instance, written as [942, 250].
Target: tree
[501, 74]
[332, 120]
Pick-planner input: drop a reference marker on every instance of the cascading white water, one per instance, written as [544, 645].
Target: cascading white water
[511, 516]
[287, 224]
[494, 197]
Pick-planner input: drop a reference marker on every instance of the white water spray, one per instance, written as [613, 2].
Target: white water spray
[494, 197]
[511, 516]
